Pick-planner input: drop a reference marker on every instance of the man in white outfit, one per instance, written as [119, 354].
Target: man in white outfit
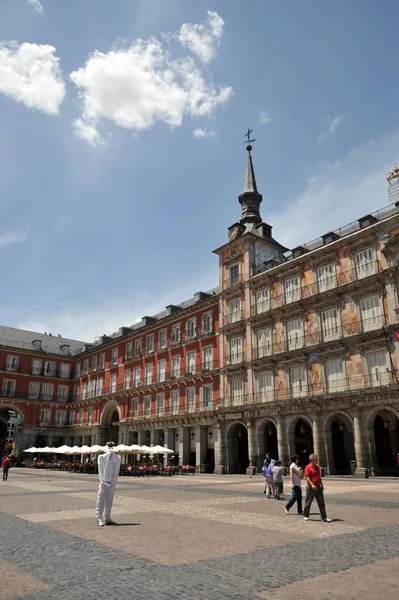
[109, 465]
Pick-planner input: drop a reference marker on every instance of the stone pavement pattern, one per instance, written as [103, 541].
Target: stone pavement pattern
[194, 538]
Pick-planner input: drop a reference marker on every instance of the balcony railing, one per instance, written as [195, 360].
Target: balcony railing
[318, 335]
[11, 368]
[235, 358]
[333, 387]
[170, 410]
[325, 284]
[231, 281]
[235, 316]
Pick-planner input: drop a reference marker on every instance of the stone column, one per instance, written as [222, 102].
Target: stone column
[220, 450]
[360, 447]
[169, 442]
[184, 445]
[319, 443]
[252, 454]
[201, 443]
[282, 444]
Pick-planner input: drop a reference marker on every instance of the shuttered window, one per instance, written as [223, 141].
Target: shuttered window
[330, 324]
[298, 381]
[262, 301]
[365, 263]
[294, 334]
[370, 309]
[377, 368]
[265, 386]
[326, 278]
[335, 375]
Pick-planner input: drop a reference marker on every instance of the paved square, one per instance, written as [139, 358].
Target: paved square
[195, 538]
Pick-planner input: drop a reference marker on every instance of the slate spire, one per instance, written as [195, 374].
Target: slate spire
[250, 199]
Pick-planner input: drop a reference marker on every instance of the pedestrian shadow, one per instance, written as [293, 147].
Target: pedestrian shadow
[126, 524]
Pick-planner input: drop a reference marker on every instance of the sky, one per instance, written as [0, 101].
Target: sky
[122, 148]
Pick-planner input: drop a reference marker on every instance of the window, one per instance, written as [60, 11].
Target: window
[150, 343]
[47, 391]
[326, 278]
[135, 407]
[90, 415]
[86, 366]
[81, 415]
[162, 339]
[99, 386]
[37, 344]
[292, 290]
[12, 363]
[63, 393]
[65, 349]
[84, 391]
[147, 406]
[138, 347]
[207, 396]
[265, 386]
[236, 391]
[33, 390]
[136, 376]
[263, 342]
[234, 274]
[175, 366]
[190, 395]
[262, 301]
[377, 369]
[148, 373]
[75, 392]
[207, 362]
[335, 375]
[37, 366]
[60, 417]
[176, 334]
[45, 414]
[298, 381]
[160, 404]
[330, 324]
[207, 323]
[234, 313]
[235, 350]
[92, 388]
[72, 417]
[129, 350]
[175, 401]
[113, 382]
[364, 263]
[9, 388]
[370, 309]
[101, 361]
[114, 356]
[65, 370]
[191, 360]
[294, 334]
[162, 370]
[126, 378]
[191, 328]
[49, 368]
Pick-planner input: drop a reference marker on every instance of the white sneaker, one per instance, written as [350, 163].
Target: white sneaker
[100, 523]
[287, 512]
[326, 520]
[306, 518]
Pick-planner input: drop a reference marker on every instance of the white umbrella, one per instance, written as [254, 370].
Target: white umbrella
[62, 449]
[96, 448]
[160, 450]
[134, 449]
[73, 450]
[85, 450]
[145, 450]
[122, 448]
[33, 449]
[45, 450]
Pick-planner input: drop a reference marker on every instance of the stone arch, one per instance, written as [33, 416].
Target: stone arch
[237, 447]
[300, 437]
[7, 407]
[383, 428]
[108, 411]
[4, 418]
[267, 441]
[338, 431]
[109, 422]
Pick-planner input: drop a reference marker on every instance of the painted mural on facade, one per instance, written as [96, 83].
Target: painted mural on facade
[354, 368]
[344, 265]
[281, 385]
[278, 335]
[276, 293]
[315, 375]
[312, 330]
[308, 283]
[349, 319]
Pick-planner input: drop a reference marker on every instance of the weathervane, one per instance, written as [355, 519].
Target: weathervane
[248, 136]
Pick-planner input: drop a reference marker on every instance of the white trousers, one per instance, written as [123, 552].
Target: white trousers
[105, 498]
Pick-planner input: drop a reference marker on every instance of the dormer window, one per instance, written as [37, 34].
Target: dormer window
[37, 344]
[65, 349]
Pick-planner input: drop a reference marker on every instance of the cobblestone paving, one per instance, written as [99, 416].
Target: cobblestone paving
[194, 538]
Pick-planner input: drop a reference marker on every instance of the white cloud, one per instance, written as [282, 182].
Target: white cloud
[339, 193]
[87, 132]
[332, 126]
[202, 39]
[202, 133]
[35, 4]
[30, 74]
[12, 237]
[263, 117]
[138, 86]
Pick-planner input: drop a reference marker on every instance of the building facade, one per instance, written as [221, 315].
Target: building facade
[296, 351]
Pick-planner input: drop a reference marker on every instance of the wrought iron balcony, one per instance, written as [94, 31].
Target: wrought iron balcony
[235, 316]
[232, 281]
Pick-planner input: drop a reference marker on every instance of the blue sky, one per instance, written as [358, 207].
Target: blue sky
[121, 154]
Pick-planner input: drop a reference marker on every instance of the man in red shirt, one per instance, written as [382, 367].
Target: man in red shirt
[314, 489]
[6, 464]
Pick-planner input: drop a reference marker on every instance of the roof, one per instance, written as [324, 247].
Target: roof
[23, 340]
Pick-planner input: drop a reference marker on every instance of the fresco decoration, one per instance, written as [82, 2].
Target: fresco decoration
[276, 293]
[278, 336]
[385, 305]
[394, 363]
[281, 384]
[312, 330]
[381, 262]
[315, 375]
[344, 266]
[308, 283]
[349, 319]
[354, 368]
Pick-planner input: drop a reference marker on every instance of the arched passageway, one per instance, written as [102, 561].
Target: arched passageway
[268, 444]
[237, 449]
[343, 451]
[303, 441]
[386, 436]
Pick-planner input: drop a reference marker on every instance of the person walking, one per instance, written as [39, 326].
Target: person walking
[269, 482]
[268, 459]
[109, 465]
[314, 489]
[296, 486]
[6, 464]
[278, 472]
